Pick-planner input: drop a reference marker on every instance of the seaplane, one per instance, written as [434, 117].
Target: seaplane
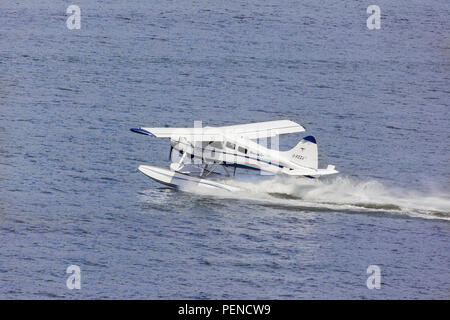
[197, 154]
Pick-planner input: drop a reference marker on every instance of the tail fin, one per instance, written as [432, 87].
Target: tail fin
[305, 153]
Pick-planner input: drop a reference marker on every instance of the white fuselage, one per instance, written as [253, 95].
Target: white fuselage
[236, 151]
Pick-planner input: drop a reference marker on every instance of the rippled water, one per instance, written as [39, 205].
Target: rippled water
[377, 102]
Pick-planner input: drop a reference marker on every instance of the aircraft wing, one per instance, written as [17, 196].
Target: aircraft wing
[264, 129]
[249, 131]
[195, 134]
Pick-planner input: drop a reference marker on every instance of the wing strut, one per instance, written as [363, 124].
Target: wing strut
[226, 170]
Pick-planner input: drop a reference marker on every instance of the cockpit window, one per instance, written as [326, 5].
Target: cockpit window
[216, 144]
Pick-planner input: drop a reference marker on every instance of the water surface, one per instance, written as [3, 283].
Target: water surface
[377, 102]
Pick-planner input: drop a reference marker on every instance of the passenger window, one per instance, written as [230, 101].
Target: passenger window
[231, 145]
[243, 150]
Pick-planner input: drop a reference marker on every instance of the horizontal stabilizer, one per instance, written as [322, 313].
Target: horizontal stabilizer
[311, 172]
[329, 170]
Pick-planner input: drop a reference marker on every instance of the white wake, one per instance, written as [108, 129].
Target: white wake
[343, 193]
